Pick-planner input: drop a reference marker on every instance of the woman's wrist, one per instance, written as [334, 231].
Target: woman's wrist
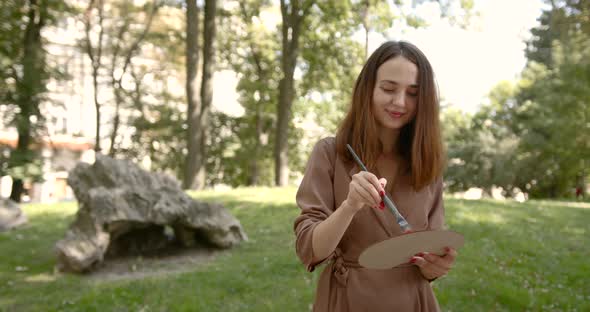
[348, 208]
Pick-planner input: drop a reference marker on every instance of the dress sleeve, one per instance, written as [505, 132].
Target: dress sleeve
[436, 216]
[315, 198]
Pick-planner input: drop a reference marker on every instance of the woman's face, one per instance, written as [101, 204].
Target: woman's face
[396, 93]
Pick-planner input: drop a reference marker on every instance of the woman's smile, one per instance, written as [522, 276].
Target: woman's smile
[394, 114]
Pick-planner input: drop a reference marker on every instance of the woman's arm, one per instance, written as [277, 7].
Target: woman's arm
[316, 199]
[329, 232]
[364, 190]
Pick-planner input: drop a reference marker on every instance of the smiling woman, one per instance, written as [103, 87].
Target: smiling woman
[395, 96]
[396, 80]
[393, 124]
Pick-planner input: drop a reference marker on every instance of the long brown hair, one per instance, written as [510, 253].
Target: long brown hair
[420, 140]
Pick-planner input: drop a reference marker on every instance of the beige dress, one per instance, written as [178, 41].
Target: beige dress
[344, 285]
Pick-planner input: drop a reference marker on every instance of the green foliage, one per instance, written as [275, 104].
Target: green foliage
[330, 61]
[241, 151]
[534, 135]
[554, 102]
[4, 156]
[150, 109]
[24, 165]
[552, 120]
[13, 22]
[480, 152]
[250, 47]
[456, 12]
[558, 24]
[24, 73]
[11, 16]
[379, 14]
[231, 152]
[159, 133]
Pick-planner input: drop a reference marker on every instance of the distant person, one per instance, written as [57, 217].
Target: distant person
[393, 125]
[579, 193]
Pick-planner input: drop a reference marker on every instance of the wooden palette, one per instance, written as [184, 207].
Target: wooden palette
[399, 250]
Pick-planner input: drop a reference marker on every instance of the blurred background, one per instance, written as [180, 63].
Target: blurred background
[235, 93]
[229, 97]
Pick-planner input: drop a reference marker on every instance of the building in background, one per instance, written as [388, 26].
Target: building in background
[60, 154]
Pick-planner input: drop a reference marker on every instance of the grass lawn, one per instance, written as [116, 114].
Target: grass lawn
[517, 257]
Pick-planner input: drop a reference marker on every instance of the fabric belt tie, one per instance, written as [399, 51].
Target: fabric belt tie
[340, 267]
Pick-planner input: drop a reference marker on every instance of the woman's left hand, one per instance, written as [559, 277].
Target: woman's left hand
[433, 266]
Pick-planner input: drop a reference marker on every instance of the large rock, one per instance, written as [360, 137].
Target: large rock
[10, 215]
[123, 208]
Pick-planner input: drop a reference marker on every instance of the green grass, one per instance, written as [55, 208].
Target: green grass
[517, 257]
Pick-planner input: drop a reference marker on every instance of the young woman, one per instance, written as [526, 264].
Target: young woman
[393, 125]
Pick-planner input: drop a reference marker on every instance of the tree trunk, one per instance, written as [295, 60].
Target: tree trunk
[366, 43]
[192, 164]
[116, 119]
[581, 184]
[254, 175]
[209, 34]
[97, 108]
[17, 190]
[29, 89]
[292, 14]
[95, 59]
[365, 14]
[286, 95]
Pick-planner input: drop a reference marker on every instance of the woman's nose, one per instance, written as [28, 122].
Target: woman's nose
[399, 99]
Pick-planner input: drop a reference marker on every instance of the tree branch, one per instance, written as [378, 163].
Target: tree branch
[137, 42]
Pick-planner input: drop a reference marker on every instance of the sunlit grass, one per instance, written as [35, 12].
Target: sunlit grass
[517, 257]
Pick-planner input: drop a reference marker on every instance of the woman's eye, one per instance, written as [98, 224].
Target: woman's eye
[413, 93]
[387, 90]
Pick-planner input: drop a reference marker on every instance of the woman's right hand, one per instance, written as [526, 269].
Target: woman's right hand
[365, 189]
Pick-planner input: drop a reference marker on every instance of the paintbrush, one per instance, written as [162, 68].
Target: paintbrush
[388, 202]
